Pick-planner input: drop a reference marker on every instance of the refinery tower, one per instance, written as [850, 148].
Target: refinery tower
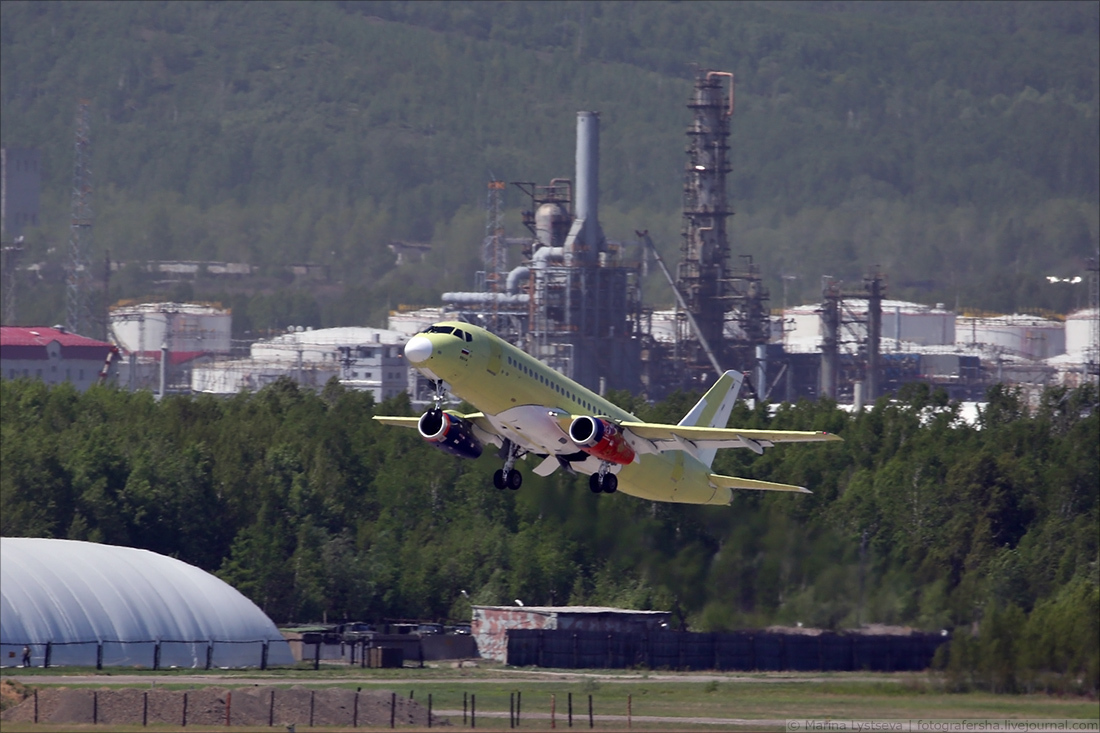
[573, 303]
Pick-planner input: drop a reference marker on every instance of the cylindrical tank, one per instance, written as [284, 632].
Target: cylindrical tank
[551, 225]
[918, 324]
[185, 327]
[912, 323]
[1028, 336]
[1083, 331]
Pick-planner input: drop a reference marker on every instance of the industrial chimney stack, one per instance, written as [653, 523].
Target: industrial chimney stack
[586, 239]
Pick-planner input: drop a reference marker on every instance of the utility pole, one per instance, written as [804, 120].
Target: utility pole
[80, 234]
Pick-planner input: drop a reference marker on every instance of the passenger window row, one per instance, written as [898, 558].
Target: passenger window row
[553, 385]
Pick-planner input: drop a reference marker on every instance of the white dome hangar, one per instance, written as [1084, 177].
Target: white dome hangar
[90, 604]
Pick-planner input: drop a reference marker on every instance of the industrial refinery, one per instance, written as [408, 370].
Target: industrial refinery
[574, 302]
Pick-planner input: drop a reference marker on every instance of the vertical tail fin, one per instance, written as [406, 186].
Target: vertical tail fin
[713, 410]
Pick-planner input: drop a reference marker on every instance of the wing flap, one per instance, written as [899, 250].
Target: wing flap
[735, 482]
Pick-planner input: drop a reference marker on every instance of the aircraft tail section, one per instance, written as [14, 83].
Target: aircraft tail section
[713, 410]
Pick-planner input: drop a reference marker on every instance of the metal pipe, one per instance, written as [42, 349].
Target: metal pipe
[163, 369]
[730, 75]
[515, 276]
[476, 298]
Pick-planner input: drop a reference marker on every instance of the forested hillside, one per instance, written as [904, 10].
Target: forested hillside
[953, 144]
[311, 508]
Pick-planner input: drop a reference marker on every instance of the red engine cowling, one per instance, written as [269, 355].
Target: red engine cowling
[602, 439]
[450, 433]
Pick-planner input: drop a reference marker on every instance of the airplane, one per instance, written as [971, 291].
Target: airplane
[527, 409]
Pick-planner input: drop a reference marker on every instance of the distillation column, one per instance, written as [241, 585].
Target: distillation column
[702, 276]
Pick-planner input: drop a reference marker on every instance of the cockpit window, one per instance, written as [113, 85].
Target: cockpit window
[440, 329]
[460, 334]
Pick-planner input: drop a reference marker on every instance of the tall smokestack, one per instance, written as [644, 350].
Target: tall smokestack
[586, 239]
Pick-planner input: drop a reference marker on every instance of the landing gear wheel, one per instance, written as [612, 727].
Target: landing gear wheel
[610, 483]
[515, 479]
[498, 479]
[594, 483]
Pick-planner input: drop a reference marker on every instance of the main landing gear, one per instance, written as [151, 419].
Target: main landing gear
[508, 477]
[603, 480]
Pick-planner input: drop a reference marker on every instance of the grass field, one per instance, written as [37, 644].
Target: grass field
[658, 701]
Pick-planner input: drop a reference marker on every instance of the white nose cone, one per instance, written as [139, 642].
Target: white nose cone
[418, 350]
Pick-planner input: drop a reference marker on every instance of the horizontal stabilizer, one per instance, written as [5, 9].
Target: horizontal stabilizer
[734, 482]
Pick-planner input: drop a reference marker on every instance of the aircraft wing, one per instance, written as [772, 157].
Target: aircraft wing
[488, 433]
[734, 482]
[690, 438]
[401, 422]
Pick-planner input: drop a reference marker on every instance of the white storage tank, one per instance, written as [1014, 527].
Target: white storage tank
[185, 327]
[1083, 331]
[909, 323]
[802, 328]
[1032, 337]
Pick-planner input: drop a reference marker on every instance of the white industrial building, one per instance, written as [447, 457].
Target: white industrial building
[367, 359]
[53, 355]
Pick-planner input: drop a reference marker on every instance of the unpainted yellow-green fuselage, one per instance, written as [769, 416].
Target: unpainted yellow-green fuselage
[495, 377]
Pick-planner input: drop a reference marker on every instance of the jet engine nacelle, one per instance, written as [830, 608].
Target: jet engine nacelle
[450, 433]
[602, 439]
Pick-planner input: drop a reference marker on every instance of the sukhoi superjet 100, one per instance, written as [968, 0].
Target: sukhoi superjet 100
[527, 410]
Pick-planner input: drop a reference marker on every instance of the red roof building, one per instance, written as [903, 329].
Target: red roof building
[54, 356]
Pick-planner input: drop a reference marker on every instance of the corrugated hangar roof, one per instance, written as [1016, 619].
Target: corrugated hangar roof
[81, 595]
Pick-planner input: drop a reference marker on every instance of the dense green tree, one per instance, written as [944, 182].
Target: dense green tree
[315, 511]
